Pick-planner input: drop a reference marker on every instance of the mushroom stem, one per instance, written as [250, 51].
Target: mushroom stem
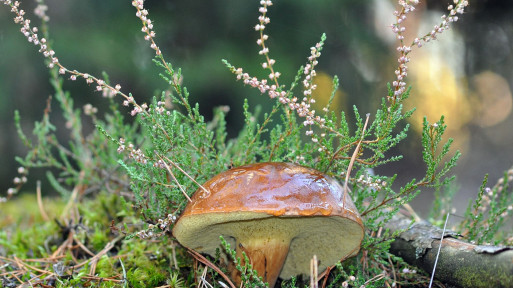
[266, 255]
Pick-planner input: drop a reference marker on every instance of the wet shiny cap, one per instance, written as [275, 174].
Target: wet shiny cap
[301, 204]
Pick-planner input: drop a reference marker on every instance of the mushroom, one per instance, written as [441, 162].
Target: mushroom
[279, 214]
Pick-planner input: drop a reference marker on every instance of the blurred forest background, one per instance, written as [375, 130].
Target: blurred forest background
[466, 76]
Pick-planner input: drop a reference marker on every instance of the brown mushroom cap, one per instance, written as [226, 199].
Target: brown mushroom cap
[279, 213]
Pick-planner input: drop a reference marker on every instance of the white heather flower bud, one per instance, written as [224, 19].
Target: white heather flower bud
[263, 51]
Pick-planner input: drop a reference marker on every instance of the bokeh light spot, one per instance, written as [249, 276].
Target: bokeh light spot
[436, 92]
[494, 96]
[323, 93]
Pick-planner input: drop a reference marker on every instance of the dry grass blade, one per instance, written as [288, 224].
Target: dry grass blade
[411, 212]
[63, 247]
[20, 264]
[205, 261]
[314, 280]
[186, 174]
[325, 275]
[173, 253]
[96, 257]
[174, 178]
[438, 253]
[84, 248]
[40, 203]
[73, 199]
[203, 278]
[353, 158]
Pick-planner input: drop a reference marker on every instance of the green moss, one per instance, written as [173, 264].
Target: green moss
[104, 208]
[106, 266]
[98, 238]
[147, 262]
[23, 232]
[145, 273]
[469, 278]
[476, 276]
[29, 242]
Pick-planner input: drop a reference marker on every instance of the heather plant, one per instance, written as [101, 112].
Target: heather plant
[489, 212]
[157, 161]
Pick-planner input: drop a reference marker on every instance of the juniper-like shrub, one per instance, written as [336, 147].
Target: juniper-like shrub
[159, 160]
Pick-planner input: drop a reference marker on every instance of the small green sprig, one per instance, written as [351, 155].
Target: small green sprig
[249, 276]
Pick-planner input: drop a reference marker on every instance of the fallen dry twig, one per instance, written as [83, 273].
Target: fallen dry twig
[460, 264]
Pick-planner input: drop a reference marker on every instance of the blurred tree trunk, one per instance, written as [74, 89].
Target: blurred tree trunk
[460, 264]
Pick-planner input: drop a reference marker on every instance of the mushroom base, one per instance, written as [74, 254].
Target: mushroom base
[265, 254]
